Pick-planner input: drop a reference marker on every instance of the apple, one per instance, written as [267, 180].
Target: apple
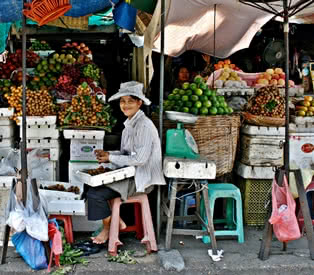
[273, 82]
[267, 76]
[278, 70]
[282, 75]
[263, 81]
[275, 76]
[270, 71]
[281, 82]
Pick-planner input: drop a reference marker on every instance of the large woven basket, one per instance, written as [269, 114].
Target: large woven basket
[263, 120]
[216, 137]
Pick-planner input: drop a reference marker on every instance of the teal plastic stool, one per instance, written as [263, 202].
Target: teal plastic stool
[231, 193]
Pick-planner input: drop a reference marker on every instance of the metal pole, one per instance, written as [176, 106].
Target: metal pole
[161, 101]
[23, 142]
[286, 43]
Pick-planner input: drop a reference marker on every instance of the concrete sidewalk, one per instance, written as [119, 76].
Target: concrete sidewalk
[238, 258]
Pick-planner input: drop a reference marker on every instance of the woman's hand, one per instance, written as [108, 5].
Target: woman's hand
[102, 156]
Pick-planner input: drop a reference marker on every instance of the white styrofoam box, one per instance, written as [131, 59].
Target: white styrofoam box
[235, 91]
[47, 171]
[67, 207]
[61, 194]
[6, 181]
[6, 112]
[83, 149]
[77, 166]
[6, 131]
[301, 119]
[6, 142]
[261, 150]
[5, 121]
[254, 172]
[301, 128]
[42, 143]
[4, 152]
[108, 177]
[189, 168]
[83, 134]
[82, 224]
[41, 131]
[293, 91]
[302, 150]
[262, 130]
[38, 120]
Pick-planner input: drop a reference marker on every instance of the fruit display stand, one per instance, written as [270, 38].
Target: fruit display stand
[41, 133]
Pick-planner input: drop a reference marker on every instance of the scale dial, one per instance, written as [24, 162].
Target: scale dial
[191, 141]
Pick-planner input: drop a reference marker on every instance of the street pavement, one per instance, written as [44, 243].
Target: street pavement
[238, 258]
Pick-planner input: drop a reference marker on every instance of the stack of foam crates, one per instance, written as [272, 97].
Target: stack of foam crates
[260, 153]
[42, 133]
[7, 130]
[82, 147]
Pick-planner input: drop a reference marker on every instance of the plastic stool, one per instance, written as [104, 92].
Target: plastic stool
[67, 220]
[148, 228]
[231, 192]
[188, 202]
[137, 227]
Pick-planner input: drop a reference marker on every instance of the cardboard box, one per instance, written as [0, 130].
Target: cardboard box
[83, 149]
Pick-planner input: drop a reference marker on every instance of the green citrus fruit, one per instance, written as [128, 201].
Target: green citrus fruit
[198, 91]
[171, 96]
[208, 93]
[221, 98]
[193, 86]
[194, 97]
[188, 92]
[185, 98]
[188, 104]
[207, 103]
[185, 85]
[177, 97]
[181, 92]
[220, 111]
[213, 98]
[204, 111]
[198, 104]
[203, 98]
[213, 110]
[175, 91]
[194, 111]
[185, 109]
[198, 79]
[203, 86]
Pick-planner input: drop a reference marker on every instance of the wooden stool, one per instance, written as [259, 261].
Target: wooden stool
[148, 228]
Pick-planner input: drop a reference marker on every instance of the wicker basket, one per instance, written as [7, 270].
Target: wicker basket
[263, 120]
[68, 22]
[216, 137]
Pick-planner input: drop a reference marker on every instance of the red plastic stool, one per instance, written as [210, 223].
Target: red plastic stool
[148, 228]
[67, 220]
[137, 227]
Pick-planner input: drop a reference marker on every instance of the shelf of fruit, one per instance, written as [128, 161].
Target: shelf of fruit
[85, 111]
[304, 111]
[198, 99]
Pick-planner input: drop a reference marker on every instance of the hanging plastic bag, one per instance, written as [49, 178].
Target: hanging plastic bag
[31, 250]
[283, 216]
[9, 163]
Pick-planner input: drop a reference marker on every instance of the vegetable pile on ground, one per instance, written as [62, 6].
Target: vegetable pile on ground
[267, 102]
[86, 110]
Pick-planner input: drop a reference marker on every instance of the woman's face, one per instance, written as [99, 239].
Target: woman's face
[129, 106]
[184, 75]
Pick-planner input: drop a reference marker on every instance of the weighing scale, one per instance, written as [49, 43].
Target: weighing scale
[179, 142]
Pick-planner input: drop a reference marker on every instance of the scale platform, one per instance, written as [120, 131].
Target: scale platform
[189, 168]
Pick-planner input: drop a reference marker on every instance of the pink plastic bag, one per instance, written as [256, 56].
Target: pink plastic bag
[283, 216]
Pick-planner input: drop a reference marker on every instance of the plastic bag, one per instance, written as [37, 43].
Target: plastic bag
[31, 250]
[32, 216]
[9, 163]
[283, 216]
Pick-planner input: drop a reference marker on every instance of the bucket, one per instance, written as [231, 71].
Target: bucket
[124, 16]
[147, 5]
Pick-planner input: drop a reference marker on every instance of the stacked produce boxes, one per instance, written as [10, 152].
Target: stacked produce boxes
[261, 151]
[42, 133]
[82, 156]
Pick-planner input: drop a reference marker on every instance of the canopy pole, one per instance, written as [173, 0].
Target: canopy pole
[215, 9]
[23, 141]
[161, 101]
[286, 45]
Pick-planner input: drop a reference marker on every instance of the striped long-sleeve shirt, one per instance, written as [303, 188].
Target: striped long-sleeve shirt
[140, 147]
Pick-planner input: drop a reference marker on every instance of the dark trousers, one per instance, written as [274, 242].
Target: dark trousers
[98, 202]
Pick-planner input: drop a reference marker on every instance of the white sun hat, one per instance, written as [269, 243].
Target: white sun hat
[133, 88]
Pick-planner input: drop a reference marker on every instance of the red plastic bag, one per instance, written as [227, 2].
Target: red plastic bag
[283, 216]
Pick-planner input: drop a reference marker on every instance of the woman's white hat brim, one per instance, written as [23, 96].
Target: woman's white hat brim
[131, 88]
